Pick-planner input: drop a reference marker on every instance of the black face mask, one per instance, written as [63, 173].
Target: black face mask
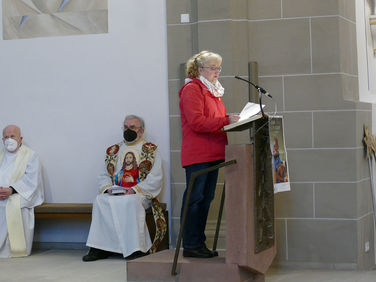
[130, 135]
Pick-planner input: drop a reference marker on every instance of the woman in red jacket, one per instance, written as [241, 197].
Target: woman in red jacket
[203, 115]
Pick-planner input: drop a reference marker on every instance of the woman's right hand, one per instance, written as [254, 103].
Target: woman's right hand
[233, 118]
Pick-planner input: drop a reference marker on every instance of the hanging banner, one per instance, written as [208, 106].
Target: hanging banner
[279, 159]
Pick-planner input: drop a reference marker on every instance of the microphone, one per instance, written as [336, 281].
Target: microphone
[262, 90]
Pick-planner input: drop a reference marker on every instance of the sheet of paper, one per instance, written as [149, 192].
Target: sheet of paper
[250, 109]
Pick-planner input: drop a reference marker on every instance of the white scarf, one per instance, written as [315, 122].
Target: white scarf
[216, 89]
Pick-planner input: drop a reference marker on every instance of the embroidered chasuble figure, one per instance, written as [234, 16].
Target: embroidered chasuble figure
[128, 175]
[118, 219]
[20, 191]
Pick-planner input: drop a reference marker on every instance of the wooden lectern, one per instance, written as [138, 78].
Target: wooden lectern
[249, 202]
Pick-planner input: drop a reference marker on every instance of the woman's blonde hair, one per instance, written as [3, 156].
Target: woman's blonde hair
[198, 61]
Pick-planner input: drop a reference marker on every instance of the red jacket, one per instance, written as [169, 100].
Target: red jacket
[202, 117]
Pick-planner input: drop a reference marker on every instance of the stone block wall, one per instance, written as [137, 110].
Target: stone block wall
[306, 54]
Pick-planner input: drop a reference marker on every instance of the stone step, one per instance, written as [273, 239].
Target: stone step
[157, 267]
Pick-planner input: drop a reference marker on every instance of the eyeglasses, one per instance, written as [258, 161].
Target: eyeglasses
[218, 69]
[132, 127]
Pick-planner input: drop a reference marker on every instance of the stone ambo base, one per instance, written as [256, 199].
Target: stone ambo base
[157, 267]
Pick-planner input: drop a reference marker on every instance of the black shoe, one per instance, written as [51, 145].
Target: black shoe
[215, 253]
[135, 255]
[202, 252]
[96, 254]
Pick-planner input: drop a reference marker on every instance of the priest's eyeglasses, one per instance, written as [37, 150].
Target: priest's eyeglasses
[216, 69]
[132, 127]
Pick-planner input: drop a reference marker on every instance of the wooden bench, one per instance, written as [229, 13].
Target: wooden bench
[63, 210]
[76, 210]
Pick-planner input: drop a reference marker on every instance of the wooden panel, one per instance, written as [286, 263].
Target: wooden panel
[63, 208]
[62, 215]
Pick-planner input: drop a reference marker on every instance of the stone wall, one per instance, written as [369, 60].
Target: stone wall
[306, 53]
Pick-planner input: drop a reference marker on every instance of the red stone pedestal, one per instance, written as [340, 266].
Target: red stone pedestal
[157, 267]
[240, 210]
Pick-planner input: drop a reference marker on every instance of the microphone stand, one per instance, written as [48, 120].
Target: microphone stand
[260, 101]
[260, 92]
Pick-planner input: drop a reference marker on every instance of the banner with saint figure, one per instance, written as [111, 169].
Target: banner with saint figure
[279, 155]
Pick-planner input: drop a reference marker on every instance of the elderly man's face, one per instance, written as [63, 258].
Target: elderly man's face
[13, 132]
[135, 125]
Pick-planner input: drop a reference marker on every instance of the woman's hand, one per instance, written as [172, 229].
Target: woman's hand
[233, 118]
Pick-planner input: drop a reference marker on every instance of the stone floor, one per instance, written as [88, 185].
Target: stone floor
[66, 265]
[302, 275]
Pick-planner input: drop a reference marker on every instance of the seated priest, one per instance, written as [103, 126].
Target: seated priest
[129, 183]
[20, 191]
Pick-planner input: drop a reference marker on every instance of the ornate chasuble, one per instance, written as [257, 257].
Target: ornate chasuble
[146, 162]
[144, 167]
[13, 208]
